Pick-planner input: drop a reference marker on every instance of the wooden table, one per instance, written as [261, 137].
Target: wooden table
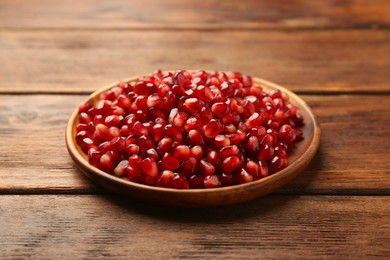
[334, 54]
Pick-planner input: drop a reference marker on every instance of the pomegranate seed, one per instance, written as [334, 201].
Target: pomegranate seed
[212, 181]
[169, 162]
[205, 115]
[118, 143]
[222, 140]
[196, 152]
[228, 151]
[277, 163]
[213, 158]
[164, 146]
[254, 121]
[152, 153]
[180, 182]
[107, 162]
[120, 170]
[166, 179]
[149, 167]
[243, 176]
[204, 93]
[219, 109]
[132, 149]
[87, 144]
[181, 153]
[189, 166]
[252, 145]
[135, 161]
[197, 181]
[206, 168]
[195, 138]
[113, 132]
[230, 164]
[192, 124]
[213, 128]
[264, 171]
[253, 169]
[193, 104]
[266, 153]
[173, 132]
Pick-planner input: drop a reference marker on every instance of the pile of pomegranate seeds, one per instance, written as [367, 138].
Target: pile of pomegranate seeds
[189, 130]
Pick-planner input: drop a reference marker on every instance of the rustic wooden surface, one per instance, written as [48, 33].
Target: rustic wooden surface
[335, 54]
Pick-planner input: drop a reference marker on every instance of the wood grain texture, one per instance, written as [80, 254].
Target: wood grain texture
[194, 14]
[271, 227]
[352, 158]
[305, 61]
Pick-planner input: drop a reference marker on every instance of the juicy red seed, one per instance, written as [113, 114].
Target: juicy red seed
[259, 132]
[197, 181]
[237, 137]
[252, 145]
[149, 167]
[135, 161]
[152, 153]
[180, 182]
[113, 132]
[112, 120]
[243, 176]
[189, 167]
[181, 153]
[154, 100]
[222, 140]
[230, 164]
[195, 138]
[227, 89]
[206, 168]
[277, 163]
[134, 174]
[219, 109]
[180, 119]
[118, 143]
[139, 129]
[213, 158]
[205, 115]
[120, 169]
[102, 131]
[158, 132]
[164, 146]
[145, 143]
[81, 135]
[213, 128]
[193, 104]
[169, 162]
[166, 179]
[196, 152]
[83, 108]
[266, 153]
[229, 151]
[124, 101]
[132, 149]
[212, 181]
[94, 156]
[253, 169]
[87, 144]
[254, 121]
[173, 132]
[107, 162]
[264, 170]
[204, 93]
[192, 123]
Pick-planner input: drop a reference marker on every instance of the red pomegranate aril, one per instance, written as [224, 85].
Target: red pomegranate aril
[189, 167]
[94, 157]
[277, 163]
[204, 93]
[132, 149]
[264, 170]
[145, 143]
[230, 164]
[197, 181]
[213, 128]
[206, 168]
[180, 182]
[222, 140]
[214, 124]
[195, 138]
[193, 104]
[169, 162]
[152, 153]
[243, 176]
[118, 143]
[166, 179]
[173, 132]
[113, 132]
[219, 109]
[252, 145]
[120, 169]
[107, 162]
[87, 144]
[266, 153]
[212, 181]
[196, 152]
[149, 167]
[253, 169]
[181, 153]
[164, 146]
[254, 120]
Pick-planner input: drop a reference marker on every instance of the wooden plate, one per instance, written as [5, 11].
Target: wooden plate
[299, 158]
